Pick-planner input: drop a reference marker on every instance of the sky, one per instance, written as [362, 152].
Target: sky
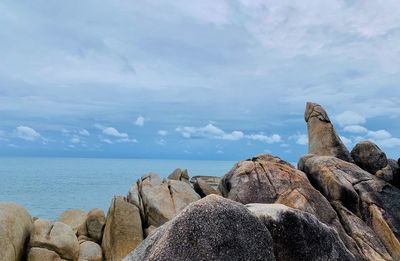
[187, 79]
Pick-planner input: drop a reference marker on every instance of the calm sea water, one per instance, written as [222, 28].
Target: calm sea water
[48, 186]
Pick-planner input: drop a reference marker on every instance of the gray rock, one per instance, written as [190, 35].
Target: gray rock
[322, 137]
[179, 174]
[212, 228]
[15, 229]
[43, 254]
[95, 223]
[212, 181]
[75, 218]
[90, 251]
[368, 156]
[298, 235]
[203, 189]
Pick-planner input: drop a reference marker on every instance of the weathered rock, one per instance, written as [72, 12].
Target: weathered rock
[43, 254]
[374, 200]
[368, 156]
[298, 235]
[179, 174]
[212, 181]
[268, 179]
[212, 228]
[90, 251]
[322, 137]
[148, 231]
[73, 218]
[159, 201]
[55, 236]
[95, 223]
[390, 173]
[203, 189]
[15, 228]
[123, 230]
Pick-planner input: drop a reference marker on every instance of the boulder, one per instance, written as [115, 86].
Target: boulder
[95, 223]
[15, 228]
[55, 236]
[372, 199]
[268, 179]
[43, 254]
[212, 228]
[212, 181]
[123, 230]
[159, 201]
[368, 156]
[203, 189]
[390, 173]
[322, 137]
[74, 218]
[298, 235]
[179, 174]
[90, 251]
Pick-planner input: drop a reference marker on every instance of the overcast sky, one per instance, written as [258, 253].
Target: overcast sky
[195, 79]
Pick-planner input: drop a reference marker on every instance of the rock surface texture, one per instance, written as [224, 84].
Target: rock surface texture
[298, 235]
[123, 230]
[90, 251]
[15, 229]
[322, 137]
[74, 218]
[95, 223]
[212, 228]
[361, 200]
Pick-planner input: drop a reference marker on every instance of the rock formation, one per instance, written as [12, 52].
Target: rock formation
[90, 251]
[75, 218]
[322, 137]
[179, 174]
[95, 223]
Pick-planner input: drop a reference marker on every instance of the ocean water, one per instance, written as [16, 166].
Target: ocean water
[48, 186]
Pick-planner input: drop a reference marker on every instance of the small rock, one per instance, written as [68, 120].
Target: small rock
[73, 218]
[179, 174]
[90, 251]
[43, 254]
[95, 223]
[368, 156]
[203, 189]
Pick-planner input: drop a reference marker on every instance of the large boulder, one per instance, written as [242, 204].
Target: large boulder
[95, 223]
[350, 188]
[298, 235]
[55, 236]
[368, 156]
[212, 181]
[123, 230]
[212, 228]
[322, 137]
[203, 188]
[390, 173]
[179, 174]
[90, 251]
[74, 218]
[43, 254]
[268, 179]
[159, 201]
[15, 228]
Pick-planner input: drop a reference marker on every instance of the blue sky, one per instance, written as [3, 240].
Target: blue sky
[195, 79]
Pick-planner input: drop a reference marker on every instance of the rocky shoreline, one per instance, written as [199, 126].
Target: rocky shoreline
[336, 205]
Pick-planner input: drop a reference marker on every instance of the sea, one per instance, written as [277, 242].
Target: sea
[46, 187]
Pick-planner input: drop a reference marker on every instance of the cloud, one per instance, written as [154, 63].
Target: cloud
[211, 131]
[75, 140]
[107, 141]
[127, 140]
[349, 118]
[355, 129]
[111, 131]
[301, 139]
[27, 133]
[140, 121]
[379, 134]
[162, 132]
[346, 141]
[84, 132]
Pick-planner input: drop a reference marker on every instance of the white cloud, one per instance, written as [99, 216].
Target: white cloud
[107, 141]
[389, 143]
[212, 131]
[110, 131]
[346, 141]
[26, 133]
[161, 142]
[140, 121]
[75, 140]
[84, 132]
[127, 140]
[355, 129]
[379, 134]
[162, 132]
[349, 118]
[301, 139]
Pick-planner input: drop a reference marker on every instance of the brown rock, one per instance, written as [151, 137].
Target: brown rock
[123, 230]
[374, 200]
[179, 174]
[322, 137]
[73, 218]
[90, 251]
[95, 223]
[55, 236]
[368, 156]
[212, 181]
[203, 189]
[43, 254]
[15, 228]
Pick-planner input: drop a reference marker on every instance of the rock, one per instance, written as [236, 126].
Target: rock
[123, 230]
[322, 137]
[179, 174]
[95, 223]
[148, 231]
[43, 254]
[390, 173]
[55, 236]
[375, 201]
[268, 179]
[212, 181]
[73, 218]
[298, 235]
[212, 228]
[159, 201]
[368, 156]
[90, 251]
[203, 189]
[15, 228]
[83, 238]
